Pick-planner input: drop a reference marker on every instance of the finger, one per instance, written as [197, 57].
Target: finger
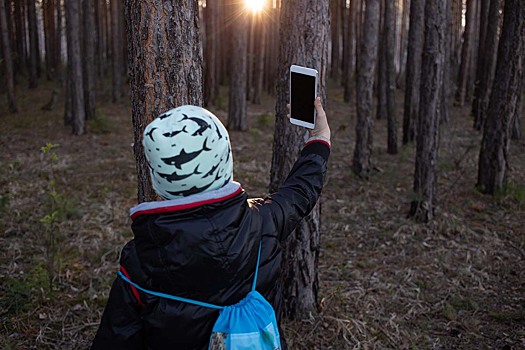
[318, 105]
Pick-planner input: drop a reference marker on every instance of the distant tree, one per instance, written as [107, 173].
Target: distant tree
[116, 53]
[365, 88]
[8, 61]
[48, 7]
[88, 62]
[303, 42]
[21, 34]
[75, 90]
[390, 75]
[260, 54]
[33, 44]
[211, 84]
[446, 91]
[350, 49]
[237, 107]
[489, 64]
[483, 23]
[427, 139]
[413, 69]
[58, 41]
[493, 155]
[335, 10]
[381, 78]
[466, 52]
[165, 67]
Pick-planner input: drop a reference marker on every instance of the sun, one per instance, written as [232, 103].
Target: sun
[255, 5]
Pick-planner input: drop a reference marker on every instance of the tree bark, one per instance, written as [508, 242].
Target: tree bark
[400, 80]
[8, 60]
[165, 67]
[381, 79]
[466, 53]
[33, 44]
[489, 63]
[76, 82]
[444, 107]
[493, 156]
[365, 88]
[303, 41]
[58, 43]
[413, 69]
[427, 140]
[21, 49]
[237, 106]
[89, 57]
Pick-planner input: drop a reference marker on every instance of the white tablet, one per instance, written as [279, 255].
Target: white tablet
[303, 91]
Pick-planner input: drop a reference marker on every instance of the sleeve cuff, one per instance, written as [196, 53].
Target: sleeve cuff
[320, 146]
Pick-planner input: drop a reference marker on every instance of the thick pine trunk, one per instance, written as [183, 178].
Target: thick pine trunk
[390, 75]
[493, 156]
[413, 69]
[165, 67]
[304, 42]
[33, 44]
[367, 59]
[489, 63]
[427, 140]
[89, 57]
[237, 106]
[8, 60]
[75, 83]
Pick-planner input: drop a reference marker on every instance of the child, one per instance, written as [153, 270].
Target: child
[202, 241]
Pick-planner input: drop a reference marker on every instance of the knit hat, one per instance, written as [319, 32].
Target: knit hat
[188, 151]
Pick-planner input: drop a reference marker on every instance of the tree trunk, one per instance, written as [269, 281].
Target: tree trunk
[444, 107]
[165, 67]
[50, 37]
[466, 52]
[427, 140]
[334, 27]
[493, 156]
[484, 16]
[33, 44]
[303, 42]
[211, 86]
[413, 69]
[400, 80]
[58, 45]
[350, 53]
[516, 133]
[89, 57]
[390, 74]
[8, 61]
[237, 107]
[75, 73]
[261, 57]
[116, 56]
[365, 89]
[21, 50]
[381, 82]
[489, 62]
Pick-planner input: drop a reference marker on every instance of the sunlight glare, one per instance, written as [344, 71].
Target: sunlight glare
[255, 5]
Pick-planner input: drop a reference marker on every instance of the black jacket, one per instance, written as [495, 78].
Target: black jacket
[204, 247]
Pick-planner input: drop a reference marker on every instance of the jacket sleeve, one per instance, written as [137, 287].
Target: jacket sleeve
[121, 324]
[299, 193]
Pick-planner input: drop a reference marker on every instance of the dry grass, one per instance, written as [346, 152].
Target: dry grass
[386, 283]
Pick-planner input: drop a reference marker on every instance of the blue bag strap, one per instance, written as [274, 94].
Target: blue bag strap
[257, 267]
[171, 297]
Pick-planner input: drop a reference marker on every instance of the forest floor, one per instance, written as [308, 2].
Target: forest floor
[385, 281]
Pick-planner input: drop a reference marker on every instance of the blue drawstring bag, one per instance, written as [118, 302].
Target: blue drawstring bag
[248, 325]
